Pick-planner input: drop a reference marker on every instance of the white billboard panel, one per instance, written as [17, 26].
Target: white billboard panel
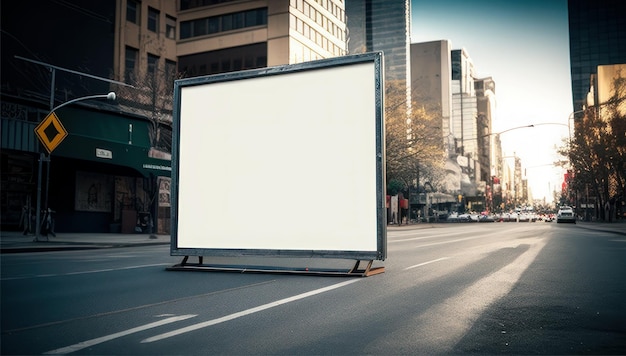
[284, 160]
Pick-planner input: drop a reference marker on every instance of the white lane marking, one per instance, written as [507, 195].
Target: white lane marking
[99, 340]
[426, 263]
[412, 239]
[444, 234]
[447, 242]
[115, 269]
[245, 312]
[84, 272]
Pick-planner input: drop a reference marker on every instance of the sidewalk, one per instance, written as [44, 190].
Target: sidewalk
[616, 227]
[15, 242]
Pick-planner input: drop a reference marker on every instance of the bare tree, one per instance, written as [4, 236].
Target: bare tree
[151, 95]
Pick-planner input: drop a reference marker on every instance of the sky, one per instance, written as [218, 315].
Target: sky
[524, 46]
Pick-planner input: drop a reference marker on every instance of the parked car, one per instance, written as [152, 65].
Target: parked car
[464, 217]
[487, 218]
[452, 217]
[566, 215]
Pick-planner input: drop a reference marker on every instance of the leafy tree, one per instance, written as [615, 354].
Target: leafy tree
[414, 143]
[597, 152]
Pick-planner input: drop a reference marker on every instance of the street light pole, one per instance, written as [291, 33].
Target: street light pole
[42, 158]
[569, 118]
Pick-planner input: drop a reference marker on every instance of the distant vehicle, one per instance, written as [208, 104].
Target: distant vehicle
[565, 215]
[486, 218]
[464, 218]
[452, 217]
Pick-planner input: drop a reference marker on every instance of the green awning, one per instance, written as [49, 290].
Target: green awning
[110, 152]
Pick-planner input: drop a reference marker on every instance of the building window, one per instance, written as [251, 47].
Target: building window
[131, 64]
[227, 22]
[192, 4]
[222, 23]
[153, 19]
[170, 27]
[132, 11]
[170, 72]
[214, 25]
[238, 20]
[225, 60]
[153, 64]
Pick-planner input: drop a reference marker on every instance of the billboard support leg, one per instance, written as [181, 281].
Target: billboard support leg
[368, 271]
[355, 271]
[184, 261]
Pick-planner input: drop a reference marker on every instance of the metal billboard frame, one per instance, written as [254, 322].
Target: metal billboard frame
[192, 241]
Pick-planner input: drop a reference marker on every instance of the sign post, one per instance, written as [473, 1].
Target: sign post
[51, 133]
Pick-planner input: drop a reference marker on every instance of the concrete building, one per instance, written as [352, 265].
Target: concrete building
[464, 121]
[446, 78]
[431, 72]
[101, 176]
[485, 89]
[111, 172]
[223, 36]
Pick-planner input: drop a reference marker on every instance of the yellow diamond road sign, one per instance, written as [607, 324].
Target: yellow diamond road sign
[50, 132]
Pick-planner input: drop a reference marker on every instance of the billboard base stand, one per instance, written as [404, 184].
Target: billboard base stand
[368, 270]
[355, 271]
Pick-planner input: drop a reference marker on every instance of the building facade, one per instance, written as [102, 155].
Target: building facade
[463, 122]
[597, 36]
[223, 36]
[112, 171]
[94, 163]
[431, 72]
[382, 25]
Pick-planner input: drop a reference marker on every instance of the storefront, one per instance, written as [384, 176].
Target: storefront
[104, 176]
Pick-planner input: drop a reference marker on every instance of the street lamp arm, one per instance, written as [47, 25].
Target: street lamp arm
[507, 130]
[552, 123]
[109, 96]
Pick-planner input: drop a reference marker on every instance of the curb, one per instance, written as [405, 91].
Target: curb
[56, 246]
[602, 229]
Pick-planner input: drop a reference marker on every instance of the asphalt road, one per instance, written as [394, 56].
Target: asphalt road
[511, 288]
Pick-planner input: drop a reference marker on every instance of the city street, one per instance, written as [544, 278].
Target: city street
[492, 288]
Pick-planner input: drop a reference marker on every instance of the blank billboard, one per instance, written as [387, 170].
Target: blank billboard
[281, 161]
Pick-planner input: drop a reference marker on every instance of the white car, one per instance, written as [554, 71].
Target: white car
[566, 215]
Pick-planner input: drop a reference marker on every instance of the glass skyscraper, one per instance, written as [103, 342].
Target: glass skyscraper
[381, 25]
[597, 36]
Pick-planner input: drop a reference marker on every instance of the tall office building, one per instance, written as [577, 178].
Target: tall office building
[382, 25]
[430, 80]
[431, 72]
[464, 106]
[597, 36]
[485, 89]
